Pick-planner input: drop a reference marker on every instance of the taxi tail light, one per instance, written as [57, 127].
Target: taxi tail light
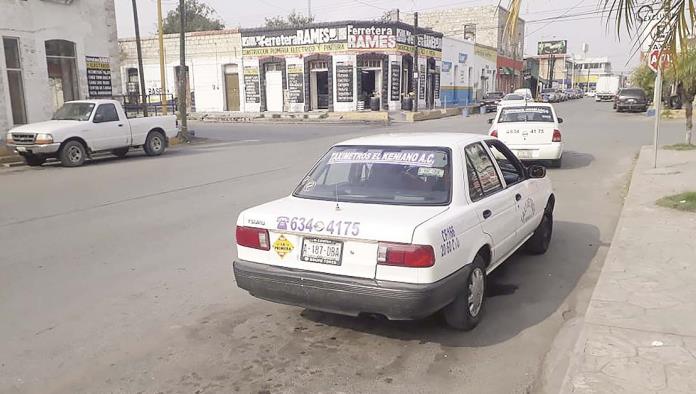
[494, 133]
[405, 255]
[252, 237]
[556, 136]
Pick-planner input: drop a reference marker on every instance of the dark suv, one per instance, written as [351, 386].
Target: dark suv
[631, 99]
[490, 101]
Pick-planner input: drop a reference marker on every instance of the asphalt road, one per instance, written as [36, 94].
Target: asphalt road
[116, 276]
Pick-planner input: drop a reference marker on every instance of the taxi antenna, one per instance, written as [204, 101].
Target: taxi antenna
[338, 208]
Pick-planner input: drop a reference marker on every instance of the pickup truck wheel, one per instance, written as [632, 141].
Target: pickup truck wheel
[155, 143]
[120, 152]
[72, 154]
[465, 312]
[540, 241]
[34, 161]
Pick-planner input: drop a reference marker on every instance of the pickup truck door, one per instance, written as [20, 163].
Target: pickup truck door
[109, 129]
[494, 204]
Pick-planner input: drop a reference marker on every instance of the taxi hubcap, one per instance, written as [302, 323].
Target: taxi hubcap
[476, 285]
[156, 144]
[74, 154]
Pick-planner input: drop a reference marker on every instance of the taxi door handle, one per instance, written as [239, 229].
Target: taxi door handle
[120, 125]
[487, 213]
[518, 197]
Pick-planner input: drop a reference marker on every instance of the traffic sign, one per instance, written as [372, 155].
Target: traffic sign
[659, 58]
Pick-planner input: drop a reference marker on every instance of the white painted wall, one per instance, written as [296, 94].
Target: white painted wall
[91, 25]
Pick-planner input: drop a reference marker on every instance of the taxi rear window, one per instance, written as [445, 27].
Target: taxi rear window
[528, 113]
[381, 175]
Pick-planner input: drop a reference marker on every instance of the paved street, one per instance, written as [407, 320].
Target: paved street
[116, 276]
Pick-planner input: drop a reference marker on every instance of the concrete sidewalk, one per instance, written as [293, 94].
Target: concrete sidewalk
[639, 333]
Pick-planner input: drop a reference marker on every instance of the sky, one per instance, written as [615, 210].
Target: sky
[580, 23]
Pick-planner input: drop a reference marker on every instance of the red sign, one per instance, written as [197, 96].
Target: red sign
[661, 57]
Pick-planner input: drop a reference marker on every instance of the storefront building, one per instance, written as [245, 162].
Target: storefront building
[44, 63]
[340, 66]
[468, 72]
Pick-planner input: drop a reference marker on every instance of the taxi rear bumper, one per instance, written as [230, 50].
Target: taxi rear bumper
[347, 295]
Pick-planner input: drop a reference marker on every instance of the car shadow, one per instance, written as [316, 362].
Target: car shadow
[133, 156]
[571, 160]
[521, 293]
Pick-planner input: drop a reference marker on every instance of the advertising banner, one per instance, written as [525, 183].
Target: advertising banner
[98, 77]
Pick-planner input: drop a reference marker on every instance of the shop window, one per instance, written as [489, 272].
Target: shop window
[62, 70]
[370, 63]
[13, 64]
[132, 81]
[319, 65]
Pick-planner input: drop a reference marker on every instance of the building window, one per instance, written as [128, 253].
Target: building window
[370, 63]
[62, 70]
[319, 65]
[13, 63]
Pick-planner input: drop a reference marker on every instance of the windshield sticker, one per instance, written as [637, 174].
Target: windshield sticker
[311, 225]
[283, 222]
[521, 110]
[450, 242]
[430, 171]
[309, 185]
[414, 158]
[282, 246]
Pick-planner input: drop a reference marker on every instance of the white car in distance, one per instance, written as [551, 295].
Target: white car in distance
[531, 131]
[400, 226]
[513, 98]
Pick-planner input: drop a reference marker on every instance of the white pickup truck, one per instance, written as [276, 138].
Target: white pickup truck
[80, 128]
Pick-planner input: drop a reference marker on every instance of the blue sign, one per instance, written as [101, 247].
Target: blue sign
[463, 57]
[446, 67]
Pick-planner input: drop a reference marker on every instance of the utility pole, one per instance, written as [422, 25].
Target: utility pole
[657, 99]
[163, 80]
[416, 71]
[398, 17]
[143, 96]
[183, 75]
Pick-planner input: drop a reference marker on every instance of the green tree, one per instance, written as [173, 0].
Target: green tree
[199, 17]
[683, 74]
[643, 77]
[292, 21]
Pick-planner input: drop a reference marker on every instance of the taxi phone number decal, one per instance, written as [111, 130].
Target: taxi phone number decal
[334, 227]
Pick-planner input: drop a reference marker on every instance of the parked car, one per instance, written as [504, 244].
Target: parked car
[561, 95]
[81, 128]
[512, 98]
[548, 95]
[490, 101]
[526, 93]
[590, 93]
[631, 99]
[532, 132]
[397, 226]
[572, 95]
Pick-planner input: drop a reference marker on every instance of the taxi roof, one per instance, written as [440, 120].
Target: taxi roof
[417, 139]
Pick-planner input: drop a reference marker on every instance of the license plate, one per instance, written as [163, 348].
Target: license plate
[21, 149]
[322, 251]
[524, 154]
[631, 100]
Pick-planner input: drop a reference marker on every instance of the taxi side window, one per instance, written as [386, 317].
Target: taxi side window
[484, 168]
[475, 189]
[510, 166]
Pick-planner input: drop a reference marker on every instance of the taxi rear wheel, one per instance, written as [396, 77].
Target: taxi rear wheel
[465, 312]
[540, 241]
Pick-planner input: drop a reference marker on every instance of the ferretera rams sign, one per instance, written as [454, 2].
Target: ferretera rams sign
[371, 37]
[283, 38]
[358, 36]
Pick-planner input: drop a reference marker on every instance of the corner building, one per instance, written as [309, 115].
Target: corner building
[341, 67]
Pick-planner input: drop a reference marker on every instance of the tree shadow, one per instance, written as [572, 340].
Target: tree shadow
[522, 292]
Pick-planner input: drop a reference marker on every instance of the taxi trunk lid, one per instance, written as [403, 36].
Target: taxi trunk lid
[314, 235]
[526, 133]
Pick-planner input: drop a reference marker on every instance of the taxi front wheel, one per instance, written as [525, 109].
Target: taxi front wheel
[465, 312]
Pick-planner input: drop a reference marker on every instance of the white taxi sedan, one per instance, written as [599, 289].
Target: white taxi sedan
[531, 131]
[400, 226]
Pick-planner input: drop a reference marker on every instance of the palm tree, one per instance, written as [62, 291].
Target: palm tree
[679, 17]
[683, 73]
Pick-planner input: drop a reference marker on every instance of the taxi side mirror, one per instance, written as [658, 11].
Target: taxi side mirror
[490, 121]
[536, 171]
[560, 120]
